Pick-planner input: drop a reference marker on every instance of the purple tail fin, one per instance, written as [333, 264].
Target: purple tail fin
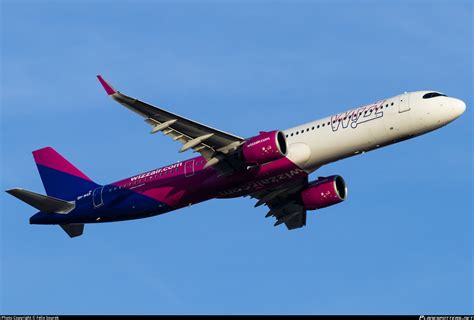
[60, 178]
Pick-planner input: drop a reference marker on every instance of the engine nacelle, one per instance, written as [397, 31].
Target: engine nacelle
[324, 192]
[266, 147]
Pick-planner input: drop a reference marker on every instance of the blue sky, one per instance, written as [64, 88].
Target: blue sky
[402, 242]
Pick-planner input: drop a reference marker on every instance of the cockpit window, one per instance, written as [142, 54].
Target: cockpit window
[433, 94]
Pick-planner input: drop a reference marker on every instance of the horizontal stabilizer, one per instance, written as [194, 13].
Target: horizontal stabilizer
[42, 202]
[73, 230]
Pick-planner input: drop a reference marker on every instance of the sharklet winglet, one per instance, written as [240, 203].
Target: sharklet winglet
[108, 88]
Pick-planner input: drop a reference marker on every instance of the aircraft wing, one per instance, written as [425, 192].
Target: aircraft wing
[284, 203]
[209, 142]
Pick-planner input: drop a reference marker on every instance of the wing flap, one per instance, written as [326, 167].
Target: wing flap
[214, 145]
[296, 221]
[178, 128]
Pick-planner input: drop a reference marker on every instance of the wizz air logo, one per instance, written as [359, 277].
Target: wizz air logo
[157, 171]
[257, 142]
[260, 184]
[357, 116]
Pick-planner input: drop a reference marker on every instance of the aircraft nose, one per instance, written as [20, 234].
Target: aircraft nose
[458, 107]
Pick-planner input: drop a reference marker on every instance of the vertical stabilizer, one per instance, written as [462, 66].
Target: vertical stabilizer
[60, 178]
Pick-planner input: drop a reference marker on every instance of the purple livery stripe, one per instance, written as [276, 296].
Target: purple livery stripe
[177, 188]
[60, 178]
[150, 193]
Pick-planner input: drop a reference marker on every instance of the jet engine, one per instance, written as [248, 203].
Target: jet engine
[324, 192]
[266, 147]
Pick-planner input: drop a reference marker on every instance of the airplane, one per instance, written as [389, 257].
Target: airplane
[272, 167]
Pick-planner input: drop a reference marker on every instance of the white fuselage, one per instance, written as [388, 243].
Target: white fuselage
[368, 127]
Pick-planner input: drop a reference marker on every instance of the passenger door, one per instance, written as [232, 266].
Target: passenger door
[404, 103]
[189, 168]
[97, 199]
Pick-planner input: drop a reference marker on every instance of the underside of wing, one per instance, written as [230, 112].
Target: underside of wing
[211, 143]
[284, 203]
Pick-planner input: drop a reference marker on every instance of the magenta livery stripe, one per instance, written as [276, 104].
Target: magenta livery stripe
[177, 190]
[48, 157]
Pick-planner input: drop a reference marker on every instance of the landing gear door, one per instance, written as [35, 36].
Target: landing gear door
[404, 103]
